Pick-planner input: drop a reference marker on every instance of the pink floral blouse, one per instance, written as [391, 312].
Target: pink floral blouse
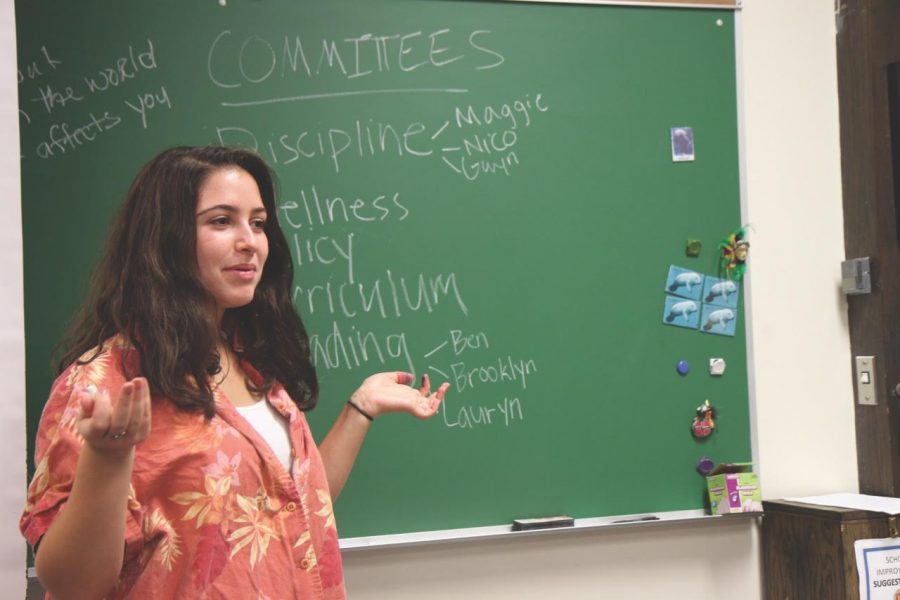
[211, 513]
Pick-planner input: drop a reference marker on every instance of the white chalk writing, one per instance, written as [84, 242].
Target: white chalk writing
[316, 210]
[148, 101]
[506, 412]
[64, 138]
[504, 370]
[123, 68]
[391, 296]
[484, 144]
[69, 131]
[236, 61]
[36, 68]
[355, 348]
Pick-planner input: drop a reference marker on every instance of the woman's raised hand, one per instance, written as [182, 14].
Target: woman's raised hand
[110, 428]
[391, 392]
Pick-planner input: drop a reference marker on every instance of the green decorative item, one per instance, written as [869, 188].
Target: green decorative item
[693, 247]
[735, 249]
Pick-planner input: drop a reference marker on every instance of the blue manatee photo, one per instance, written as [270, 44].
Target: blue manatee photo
[687, 280]
[721, 292]
[684, 283]
[682, 309]
[718, 320]
[681, 312]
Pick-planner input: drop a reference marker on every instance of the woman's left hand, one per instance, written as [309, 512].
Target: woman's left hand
[391, 392]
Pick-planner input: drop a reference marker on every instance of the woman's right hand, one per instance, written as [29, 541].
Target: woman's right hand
[97, 505]
[109, 428]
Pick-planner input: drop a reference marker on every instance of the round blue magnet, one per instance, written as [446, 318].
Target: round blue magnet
[683, 367]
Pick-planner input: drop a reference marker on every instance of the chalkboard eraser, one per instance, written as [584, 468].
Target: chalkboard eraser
[542, 523]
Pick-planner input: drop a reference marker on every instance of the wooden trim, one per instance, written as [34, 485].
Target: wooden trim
[839, 513]
[865, 45]
[727, 4]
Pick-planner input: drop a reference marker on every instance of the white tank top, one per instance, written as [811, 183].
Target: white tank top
[271, 427]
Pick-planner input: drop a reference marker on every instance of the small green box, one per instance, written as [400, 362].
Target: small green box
[693, 247]
[733, 488]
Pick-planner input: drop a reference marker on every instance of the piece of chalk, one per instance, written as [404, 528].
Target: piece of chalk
[542, 523]
[638, 519]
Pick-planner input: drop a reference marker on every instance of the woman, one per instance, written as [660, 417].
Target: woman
[189, 326]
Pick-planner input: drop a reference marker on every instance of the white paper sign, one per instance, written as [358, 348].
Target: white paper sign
[878, 565]
[883, 504]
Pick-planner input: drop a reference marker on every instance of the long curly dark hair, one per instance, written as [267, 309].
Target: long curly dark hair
[147, 289]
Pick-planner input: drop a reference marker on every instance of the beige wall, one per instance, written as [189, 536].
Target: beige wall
[800, 350]
[12, 338]
[801, 347]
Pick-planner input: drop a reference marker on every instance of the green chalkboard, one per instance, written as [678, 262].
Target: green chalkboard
[484, 191]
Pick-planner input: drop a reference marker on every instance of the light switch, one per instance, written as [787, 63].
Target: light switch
[865, 380]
